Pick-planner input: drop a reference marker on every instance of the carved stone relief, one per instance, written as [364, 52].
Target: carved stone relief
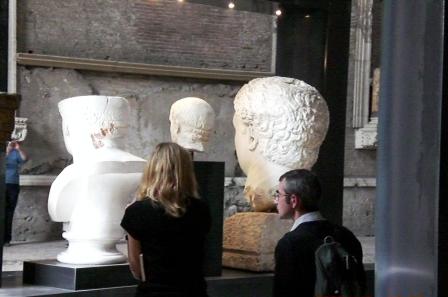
[20, 129]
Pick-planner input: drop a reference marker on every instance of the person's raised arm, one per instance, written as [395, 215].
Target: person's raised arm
[9, 147]
[21, 152]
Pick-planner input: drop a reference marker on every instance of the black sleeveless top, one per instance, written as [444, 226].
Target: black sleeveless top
[173, 248]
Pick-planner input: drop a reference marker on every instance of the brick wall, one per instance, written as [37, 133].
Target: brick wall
[150, 31]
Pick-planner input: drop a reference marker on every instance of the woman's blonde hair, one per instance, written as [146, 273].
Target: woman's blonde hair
[169, 178]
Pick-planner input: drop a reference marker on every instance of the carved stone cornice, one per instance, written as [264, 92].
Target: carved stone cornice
[37, 180]
[136, 68]
[20, 129]
[349, 182]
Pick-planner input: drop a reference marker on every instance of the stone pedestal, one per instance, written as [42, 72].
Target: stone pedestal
[210, 177]
[250, 239]
[76, 277]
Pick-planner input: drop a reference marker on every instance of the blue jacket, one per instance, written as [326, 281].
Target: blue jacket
[13, 163]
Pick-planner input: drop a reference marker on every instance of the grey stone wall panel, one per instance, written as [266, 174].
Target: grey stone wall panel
[150, 99]
[32, 223]
[31, 219]
[359, 210]
[154, 32]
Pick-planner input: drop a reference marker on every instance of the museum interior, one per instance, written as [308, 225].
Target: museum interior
[379, 145]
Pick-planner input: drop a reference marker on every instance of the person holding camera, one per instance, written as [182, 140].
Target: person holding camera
[15, 157]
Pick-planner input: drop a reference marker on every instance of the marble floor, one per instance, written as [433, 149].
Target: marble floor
[14, 255]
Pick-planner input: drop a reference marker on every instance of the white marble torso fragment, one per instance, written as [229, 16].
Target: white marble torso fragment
[90, 195]
[280, 124]
[192, 121]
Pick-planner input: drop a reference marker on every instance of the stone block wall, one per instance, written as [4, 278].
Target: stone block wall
[234, 200]
[31, 220]
[150, 99]
[358, 208]
[359, 205]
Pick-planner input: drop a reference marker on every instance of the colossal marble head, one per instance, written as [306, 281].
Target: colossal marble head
[281, 120]
[192, 120]
[92, 122]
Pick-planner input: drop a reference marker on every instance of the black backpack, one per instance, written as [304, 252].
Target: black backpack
[337, 272]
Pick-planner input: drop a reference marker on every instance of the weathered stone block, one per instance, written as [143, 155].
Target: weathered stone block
[250, 239]
[234, 200]
[359, 210]
[31, 219]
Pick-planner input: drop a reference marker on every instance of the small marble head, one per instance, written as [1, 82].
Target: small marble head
[92, 122]
[192, 121]
[282, 120]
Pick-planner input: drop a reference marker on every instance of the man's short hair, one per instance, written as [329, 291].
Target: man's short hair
[305, 185]
[288, 117]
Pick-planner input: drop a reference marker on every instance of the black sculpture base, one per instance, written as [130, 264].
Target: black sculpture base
[52, 273]
[210, 177]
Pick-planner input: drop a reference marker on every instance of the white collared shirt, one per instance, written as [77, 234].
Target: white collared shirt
[308, 217]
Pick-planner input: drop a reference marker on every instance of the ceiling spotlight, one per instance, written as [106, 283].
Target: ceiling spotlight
[180, 0]
[278, 12]
[307, 16]
[231, 5]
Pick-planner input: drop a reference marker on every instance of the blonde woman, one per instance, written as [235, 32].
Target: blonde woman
[167, 225]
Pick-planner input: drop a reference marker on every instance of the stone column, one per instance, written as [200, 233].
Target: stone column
[3, 88]
[4, 45]
[411, 219]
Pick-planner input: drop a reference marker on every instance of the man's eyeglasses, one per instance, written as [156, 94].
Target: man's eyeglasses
[277, 196]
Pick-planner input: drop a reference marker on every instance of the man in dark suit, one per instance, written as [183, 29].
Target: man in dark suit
[298, 198]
